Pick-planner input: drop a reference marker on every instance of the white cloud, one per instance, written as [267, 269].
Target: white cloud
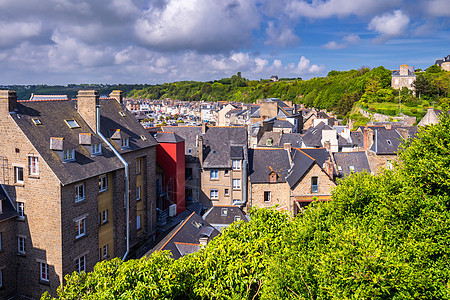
[340, 8]
[201, 25]
[334, 46]
[280, 36]
[438, 8]
[12, 33]
[348, 40]
[390, 25]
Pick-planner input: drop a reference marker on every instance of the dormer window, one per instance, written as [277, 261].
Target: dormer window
[69, 155]
[36, 121]
[351, 168]
[72, 123]
[96, 149]
[125, 143]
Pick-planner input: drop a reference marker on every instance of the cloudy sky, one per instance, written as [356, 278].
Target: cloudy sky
[157, 41]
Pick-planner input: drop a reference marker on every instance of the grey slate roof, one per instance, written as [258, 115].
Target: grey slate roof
[167, 137]
[396, 73]
[8, 210]
[274, 136]
[264, 161]
[189, 134]
[236, 152]
[295, 139]
[184, 238]
[222, 216]
[313, 136]
[52, 115]
[301, 164]
[319, 154]
[282, 124]
[357, 138]
[358, 160]
[217, 143]
[386, 141]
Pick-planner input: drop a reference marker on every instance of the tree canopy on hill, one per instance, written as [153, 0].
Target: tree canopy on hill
[381, 237]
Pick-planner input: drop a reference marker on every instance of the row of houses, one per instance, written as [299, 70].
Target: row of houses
[83, 181]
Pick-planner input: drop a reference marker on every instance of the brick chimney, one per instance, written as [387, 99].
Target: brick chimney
[204, 128]
[8, 101]
[117, 94]
[86, 105]
[328, 167]
[368, 138]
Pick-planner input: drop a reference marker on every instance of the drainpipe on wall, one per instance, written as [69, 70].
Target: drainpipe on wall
[244, 185]
[127, 181]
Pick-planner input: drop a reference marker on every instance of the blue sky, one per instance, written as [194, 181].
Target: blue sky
[157, 41]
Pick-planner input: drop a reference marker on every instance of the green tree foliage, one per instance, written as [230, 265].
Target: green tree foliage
[381, 237]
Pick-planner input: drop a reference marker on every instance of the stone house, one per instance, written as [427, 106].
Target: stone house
[289, 178]
[404, 77]
[81, 175]
[444, 63]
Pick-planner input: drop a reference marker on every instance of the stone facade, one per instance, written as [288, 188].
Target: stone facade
[404, 77]
[224, 186]
[285, 197]
[8, 252]
[51, 213]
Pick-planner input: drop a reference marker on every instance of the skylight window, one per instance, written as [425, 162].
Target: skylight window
[36, 121]
[72, 123]
[143, 138]
[388, 142]
[122, 114]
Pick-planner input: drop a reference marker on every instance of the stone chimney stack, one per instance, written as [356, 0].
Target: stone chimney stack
[87, 107]
[404, 70]
[200, 149]
[328, 166]
[117, 94]
[8, 101]
[368, 138]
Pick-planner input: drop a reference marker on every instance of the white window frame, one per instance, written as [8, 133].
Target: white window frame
[236, 184]
[21, 245]
[236, 163]
[33, 165]
[105, 251]
[104, 216]
[138, 193]
[269, 193]
[80, 197]
[138, 222]
[102, 183]
[138, 166]
[214, 174]
[314, 187]
[125, 143]
[96, 149]
[43, 271]
[17, 171]
[214, 194]
[80, 264]
[80, 227]
[21, 209]
[69, 155]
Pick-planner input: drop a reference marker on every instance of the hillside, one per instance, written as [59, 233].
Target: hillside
[338, 91]
[381, 237]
